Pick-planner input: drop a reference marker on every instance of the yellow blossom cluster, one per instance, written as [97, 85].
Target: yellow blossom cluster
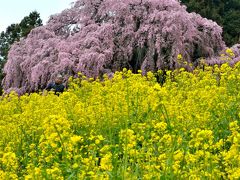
[127, 127]
[228, 55]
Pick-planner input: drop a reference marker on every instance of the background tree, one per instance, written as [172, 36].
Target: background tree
[101, 36]
[13, 34]
[225, 12]
[29, 22]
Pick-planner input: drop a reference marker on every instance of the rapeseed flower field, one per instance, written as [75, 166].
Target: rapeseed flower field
[127, 127]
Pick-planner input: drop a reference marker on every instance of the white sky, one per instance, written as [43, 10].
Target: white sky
[13, 11]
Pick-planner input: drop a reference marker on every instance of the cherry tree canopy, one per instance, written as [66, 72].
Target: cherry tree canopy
[101, 36]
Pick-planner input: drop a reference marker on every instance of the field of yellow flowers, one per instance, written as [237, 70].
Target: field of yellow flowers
[127, 127]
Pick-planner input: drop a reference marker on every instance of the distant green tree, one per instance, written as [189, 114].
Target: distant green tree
[225, 12]
[231, 27]
[13, 33]
[30, 22]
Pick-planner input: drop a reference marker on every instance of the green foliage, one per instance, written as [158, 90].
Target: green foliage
[30, 22]
[225, 12]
